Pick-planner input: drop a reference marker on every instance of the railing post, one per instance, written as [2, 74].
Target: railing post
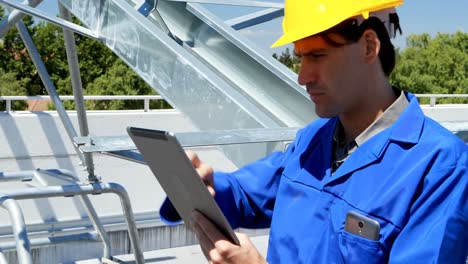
[433, 101]
[23, 246]
[146, 100]
[8, 106]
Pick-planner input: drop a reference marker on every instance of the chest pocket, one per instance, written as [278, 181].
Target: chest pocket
[354, 248]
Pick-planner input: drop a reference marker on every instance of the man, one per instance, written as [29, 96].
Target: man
[372, 154]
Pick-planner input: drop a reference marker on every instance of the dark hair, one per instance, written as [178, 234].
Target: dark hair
[351, 31]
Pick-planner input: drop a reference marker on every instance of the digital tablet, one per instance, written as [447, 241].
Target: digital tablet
[175, 173]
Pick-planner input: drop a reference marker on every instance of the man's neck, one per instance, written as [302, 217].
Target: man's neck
[373, 106]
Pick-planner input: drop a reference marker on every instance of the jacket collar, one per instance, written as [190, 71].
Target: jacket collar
[407, 129]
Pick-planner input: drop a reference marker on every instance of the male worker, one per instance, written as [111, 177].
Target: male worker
[372, 181]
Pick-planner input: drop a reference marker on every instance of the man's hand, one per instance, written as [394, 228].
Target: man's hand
[204, 170]
[218, 249]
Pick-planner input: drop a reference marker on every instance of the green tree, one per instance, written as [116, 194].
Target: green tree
[95, 59]
[48, 39]
[120, 80]
[289, 59]
[437, 65]
[14, 57]
[9, 85]
[93, 56]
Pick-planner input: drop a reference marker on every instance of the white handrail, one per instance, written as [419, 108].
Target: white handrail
[433, 97]
[145, 98]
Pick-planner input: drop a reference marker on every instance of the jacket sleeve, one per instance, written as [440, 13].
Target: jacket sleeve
[437, 228]
[247, 196]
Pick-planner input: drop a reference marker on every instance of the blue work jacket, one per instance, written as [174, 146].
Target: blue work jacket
[411, 178]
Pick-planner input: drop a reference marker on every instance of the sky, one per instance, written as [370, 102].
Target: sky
[416, 17]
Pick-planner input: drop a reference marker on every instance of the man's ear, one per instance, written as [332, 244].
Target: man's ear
[371, 44]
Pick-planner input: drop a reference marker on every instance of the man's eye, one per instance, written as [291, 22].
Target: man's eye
[312, 56]
[317, 55]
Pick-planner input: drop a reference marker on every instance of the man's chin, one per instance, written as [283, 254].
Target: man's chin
[324, 114]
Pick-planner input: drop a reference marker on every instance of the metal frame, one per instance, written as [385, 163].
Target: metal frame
[249, 83]
[193, 139]
[67, 178]
[178, 46]
[268, 119]
[123, 147]
[4, 24]
[45, 77]
[8, 201]
[15, 16]
[23, 246]
[273, 89]
[52, 91]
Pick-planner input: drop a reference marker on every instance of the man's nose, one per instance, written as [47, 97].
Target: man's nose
[307, 74]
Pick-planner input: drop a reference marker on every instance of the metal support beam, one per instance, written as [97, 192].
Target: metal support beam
[248, 3]
[75, 75]
[15, 16]
[8, 107]
[194, 139]
[173, 64]
[49, 85]
[255, 18]
[16, 176]
[267, 90]
[54, 20]
[130, 155]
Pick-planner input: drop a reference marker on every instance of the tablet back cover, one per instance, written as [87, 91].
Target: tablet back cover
[176, 175]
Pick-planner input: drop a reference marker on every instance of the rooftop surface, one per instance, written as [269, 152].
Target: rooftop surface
[179, 255]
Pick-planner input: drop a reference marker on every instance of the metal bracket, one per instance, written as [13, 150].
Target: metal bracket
[146, 7]
[112, 260]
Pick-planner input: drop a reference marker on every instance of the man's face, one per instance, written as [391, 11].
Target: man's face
[333, 75]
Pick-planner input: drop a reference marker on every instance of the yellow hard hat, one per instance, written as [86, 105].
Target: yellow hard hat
[303, 18]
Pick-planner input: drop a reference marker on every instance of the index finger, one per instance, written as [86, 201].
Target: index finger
[193, 157]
